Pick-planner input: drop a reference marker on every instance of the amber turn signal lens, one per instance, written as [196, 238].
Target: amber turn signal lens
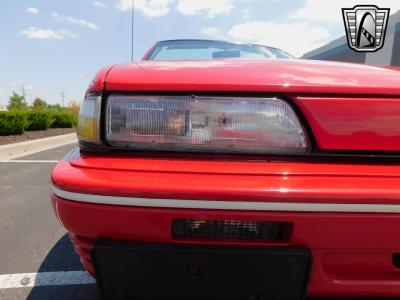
[88, 129]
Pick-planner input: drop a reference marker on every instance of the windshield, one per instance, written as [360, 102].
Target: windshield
[206, 50]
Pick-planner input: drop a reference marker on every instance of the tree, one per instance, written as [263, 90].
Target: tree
[74, 107]
[39, 104]
[56, 107]
[17, 102]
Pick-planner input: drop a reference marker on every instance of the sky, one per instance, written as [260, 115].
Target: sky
[53, 47]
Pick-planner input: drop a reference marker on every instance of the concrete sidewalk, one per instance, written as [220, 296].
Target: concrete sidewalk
[16, 150]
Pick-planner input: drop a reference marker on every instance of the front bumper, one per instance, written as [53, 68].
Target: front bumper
[346, 215]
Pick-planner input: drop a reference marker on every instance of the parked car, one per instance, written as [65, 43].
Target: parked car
[215, 170]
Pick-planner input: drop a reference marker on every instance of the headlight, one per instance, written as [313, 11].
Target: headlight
[88, 122]
[213, 124]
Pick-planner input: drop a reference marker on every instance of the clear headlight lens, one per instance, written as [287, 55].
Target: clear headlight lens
[88, 129]
[216, 124]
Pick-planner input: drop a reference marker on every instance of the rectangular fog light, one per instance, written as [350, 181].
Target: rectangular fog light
[230, 230]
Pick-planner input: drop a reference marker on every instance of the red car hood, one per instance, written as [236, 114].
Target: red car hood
[267, 75]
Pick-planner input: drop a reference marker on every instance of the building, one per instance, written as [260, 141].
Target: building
[3, 107]
[338, 50]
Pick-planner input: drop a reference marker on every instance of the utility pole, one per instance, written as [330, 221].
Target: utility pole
[62, 98]
[133, 27]
[23, 92]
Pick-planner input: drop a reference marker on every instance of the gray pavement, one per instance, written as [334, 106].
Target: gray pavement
[31, 239]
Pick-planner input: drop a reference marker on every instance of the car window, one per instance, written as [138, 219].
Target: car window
[206, 50]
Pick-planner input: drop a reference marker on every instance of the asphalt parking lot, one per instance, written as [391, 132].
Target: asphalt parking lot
[31, 239]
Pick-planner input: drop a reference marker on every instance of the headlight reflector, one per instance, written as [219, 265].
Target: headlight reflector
[203, 123]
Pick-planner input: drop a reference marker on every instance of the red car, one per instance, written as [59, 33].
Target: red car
[214, 170]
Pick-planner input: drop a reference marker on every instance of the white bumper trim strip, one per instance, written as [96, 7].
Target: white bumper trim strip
[228, 205]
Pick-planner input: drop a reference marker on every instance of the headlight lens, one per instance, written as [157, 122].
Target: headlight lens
[88, 129]
[216, 124]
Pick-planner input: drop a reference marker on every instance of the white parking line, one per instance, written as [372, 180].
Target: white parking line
[12, 281]
[28, 161]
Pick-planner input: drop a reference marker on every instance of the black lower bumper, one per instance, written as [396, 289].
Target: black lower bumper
[127, 270]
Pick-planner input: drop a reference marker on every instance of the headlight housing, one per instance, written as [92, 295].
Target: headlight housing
[204, 123]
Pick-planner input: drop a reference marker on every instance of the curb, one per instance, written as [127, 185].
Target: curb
[16, 150]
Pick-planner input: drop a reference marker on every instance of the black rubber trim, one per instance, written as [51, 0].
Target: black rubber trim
[132, 270]
[396, 260]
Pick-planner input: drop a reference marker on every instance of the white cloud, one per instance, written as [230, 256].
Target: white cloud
[247, 14]
[27, 87]
[209, 8]
[100, 4]
[32, 10]
[331, 11]
[46, 34]
[151, 8]
[67, 33]
[297, 38]
[76, 21]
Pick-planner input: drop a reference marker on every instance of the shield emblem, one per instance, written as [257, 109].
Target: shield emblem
[365, 27]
